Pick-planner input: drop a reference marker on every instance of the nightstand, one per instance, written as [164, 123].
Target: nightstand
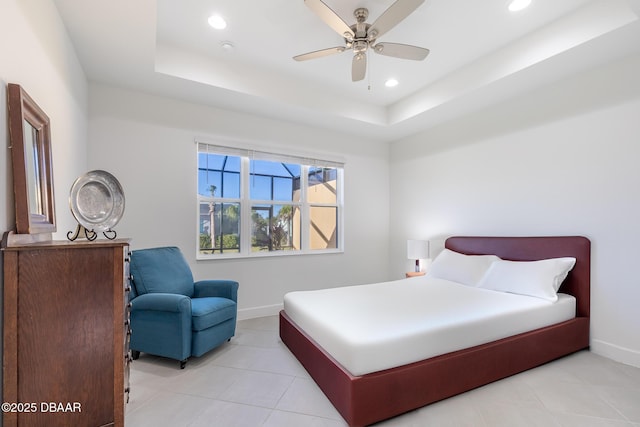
[414, 273]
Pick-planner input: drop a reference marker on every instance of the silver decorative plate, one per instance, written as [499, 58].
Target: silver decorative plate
[97, 200]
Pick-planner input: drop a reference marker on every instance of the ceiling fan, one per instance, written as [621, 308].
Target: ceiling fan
[361, 36]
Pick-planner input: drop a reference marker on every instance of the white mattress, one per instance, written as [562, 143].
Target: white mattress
[369, 328]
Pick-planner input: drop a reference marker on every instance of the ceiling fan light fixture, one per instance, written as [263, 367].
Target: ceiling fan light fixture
[217, 22]
[360, 46]
[518, 5]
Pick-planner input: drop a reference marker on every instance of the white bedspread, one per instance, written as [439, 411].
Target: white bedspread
[368, 328]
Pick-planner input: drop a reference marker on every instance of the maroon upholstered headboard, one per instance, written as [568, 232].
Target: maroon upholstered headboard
[577, 283]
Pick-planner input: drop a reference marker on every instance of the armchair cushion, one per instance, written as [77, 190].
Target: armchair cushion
[211, 311]
[162, 270]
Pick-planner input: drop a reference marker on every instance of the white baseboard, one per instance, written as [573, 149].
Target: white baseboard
[615, 352]
[263, 311]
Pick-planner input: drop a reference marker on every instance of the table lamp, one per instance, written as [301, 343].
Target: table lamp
[417, 250]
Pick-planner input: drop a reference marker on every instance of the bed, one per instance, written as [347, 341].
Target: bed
[365, 398]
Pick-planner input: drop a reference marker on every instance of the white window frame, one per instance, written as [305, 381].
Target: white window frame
[306, 162]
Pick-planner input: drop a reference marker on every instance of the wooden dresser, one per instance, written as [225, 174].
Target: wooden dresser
[66, 333]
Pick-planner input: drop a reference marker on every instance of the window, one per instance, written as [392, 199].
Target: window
[254, 203]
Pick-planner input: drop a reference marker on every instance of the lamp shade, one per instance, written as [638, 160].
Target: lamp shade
[417, 249]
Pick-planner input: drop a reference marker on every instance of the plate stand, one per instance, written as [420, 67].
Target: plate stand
[88, 234]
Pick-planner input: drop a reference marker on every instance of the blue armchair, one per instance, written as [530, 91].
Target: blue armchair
[171, 316]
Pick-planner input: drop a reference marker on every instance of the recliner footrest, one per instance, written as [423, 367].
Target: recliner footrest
[211, 311]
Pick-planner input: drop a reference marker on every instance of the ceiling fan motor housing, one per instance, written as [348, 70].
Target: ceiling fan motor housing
[361, 40]
[361, 35]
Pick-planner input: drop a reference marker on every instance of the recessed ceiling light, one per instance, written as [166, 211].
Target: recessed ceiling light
[391, 83]
[517, 5]
[227, 45]
[217, 22]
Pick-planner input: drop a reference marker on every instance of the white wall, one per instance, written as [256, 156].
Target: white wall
[36, 53]
[147, 142]
[558, 162]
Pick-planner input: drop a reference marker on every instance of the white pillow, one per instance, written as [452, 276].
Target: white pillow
[461, 268]
[540, 279]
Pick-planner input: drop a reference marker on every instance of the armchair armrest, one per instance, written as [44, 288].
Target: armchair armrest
[216, 288]
[174, 303]
[161, 325]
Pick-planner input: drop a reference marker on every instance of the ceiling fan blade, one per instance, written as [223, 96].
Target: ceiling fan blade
[319, 53]
[392, 16]
[358, 67]
[399, 50]
[330, 18]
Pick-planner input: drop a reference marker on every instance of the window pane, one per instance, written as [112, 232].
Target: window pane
[323, 227]
[208, 183]
[272, 180]
[275, 228]
[283, 189]
[218, 175]
[322, 185]
[260, 187]
[231, 185]
[210, 161]
[219, 228]
[231, 164]
[264, 167]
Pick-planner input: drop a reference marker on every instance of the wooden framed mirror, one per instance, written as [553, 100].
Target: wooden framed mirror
[30, 142]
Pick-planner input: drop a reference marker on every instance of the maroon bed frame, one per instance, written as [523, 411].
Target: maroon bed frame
[366, 399]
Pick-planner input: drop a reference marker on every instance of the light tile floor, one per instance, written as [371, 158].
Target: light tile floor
[255, 381]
